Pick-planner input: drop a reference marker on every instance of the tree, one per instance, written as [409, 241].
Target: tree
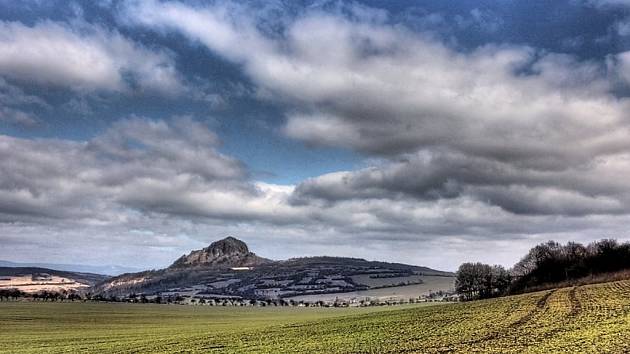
[9, 294]
[464, 283]
[481, 281]
[550, 263]
[501, 280]
[73, 296]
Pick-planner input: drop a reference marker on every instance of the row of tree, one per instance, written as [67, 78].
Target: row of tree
[44, 295]
[545, 264]
[11, 294]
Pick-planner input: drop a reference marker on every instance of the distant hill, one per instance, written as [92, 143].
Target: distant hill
[33, 279]
[81, 268]
[228, 268]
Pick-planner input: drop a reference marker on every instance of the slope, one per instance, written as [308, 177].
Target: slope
[33, 279]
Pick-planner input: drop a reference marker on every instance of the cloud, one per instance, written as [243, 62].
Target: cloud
[506, 125]
[498, 146]
[485, 20]
[16, 117]
[604, 3]
[431, 176]
[92, 181]
[15, 105]
[390, 91]
[622, 27]
[83, 57]
[160, 188]
[620, 66]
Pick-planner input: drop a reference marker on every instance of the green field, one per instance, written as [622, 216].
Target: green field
[591, 318]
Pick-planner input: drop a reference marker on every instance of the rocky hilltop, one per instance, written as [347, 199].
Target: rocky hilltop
[228, 252]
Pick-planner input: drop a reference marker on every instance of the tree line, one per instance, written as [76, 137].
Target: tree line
[544, 265]
[62, 296]
[43, 295]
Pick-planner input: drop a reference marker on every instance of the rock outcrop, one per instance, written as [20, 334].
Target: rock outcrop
[228, 252]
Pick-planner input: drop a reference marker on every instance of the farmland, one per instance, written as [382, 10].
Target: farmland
[428, 284]
[589, 318]
[33, 279]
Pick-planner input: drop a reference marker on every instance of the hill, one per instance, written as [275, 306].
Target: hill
[109, 270]
[33, 279]
[227, 268]
[585, 319]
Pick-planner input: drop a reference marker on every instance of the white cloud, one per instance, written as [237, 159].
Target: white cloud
[381, 89]
[92, 181]
[82, 57]
[365, 84]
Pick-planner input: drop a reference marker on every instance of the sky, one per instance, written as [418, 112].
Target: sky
[424, 132]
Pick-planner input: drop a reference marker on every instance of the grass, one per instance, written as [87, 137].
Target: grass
[590, 318]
